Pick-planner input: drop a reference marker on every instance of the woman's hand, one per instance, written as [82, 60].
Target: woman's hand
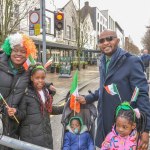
[11, 111]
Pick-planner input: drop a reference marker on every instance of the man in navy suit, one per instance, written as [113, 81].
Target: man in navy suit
[119, 67]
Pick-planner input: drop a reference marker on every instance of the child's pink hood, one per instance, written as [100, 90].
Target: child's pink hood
[115, 142]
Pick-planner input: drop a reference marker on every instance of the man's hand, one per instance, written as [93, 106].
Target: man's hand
[81, 99]
[144, 141]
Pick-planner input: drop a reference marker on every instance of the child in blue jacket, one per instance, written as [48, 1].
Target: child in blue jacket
[77, 137]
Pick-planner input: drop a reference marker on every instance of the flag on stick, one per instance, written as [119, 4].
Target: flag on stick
[29, 61]
[48, 63]
[74, 105]
[1, 97]
[112, 90]
[135, 94]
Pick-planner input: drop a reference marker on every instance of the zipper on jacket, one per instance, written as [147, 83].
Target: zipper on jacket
[79, 141]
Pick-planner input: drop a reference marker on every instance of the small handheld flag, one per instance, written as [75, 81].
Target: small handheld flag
[135, 94]
[74, 105]
[112, 90]
[29, 61]
[48, 63]
[1, 97]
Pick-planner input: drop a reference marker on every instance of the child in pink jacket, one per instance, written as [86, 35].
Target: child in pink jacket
[124, 134]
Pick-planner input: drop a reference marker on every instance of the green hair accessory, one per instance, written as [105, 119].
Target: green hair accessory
[38, 67]
[124, 106]
[6, 47]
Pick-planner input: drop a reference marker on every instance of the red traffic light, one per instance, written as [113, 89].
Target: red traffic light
[59, 20]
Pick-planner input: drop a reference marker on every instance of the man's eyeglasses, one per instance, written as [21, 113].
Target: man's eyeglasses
[108, 39]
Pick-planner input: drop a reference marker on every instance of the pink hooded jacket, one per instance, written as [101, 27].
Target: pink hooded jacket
[113, 141]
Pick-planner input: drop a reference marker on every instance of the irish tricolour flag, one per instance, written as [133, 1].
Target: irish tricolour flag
[135, 94]
[29, 61]
[112, 90]
[48, 63]
[74, 105]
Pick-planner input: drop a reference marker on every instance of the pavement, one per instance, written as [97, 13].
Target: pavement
[89, 77]
[63, 85]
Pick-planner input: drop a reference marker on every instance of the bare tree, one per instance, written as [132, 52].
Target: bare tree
[82, 31]
[130, 46]
[146, 40]
[12, 12]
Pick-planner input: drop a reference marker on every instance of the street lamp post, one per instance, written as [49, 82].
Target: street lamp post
[42, 10]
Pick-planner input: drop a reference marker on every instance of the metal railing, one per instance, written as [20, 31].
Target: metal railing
[19, 145]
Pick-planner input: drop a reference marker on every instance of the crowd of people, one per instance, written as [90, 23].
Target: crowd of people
[29, 99]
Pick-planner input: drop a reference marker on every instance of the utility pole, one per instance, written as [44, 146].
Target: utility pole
[42, 12]
[78, 42]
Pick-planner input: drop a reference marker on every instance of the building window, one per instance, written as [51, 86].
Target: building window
[68, 32]
[101, 28]
[98, 16]
[65, 29]
[98, 26]
[101, 18]
[74, 33]
[90, 39]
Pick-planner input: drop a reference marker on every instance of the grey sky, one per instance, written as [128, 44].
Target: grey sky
[132, 15]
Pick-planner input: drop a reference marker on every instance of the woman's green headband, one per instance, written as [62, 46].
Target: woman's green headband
[124, 106]
[38, 67]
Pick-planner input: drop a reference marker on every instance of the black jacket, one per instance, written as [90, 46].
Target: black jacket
[35, 125]
[12, 88]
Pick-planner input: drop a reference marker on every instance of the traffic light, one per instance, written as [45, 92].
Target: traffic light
[59, 20]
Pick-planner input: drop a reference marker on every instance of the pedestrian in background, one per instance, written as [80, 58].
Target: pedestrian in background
[127, 72]
[146, 60]
[13, 77]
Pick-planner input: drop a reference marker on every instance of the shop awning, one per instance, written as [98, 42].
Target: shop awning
[52, 45]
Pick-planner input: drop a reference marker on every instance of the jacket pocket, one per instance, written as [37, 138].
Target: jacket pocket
[24, 131]
[36, 130]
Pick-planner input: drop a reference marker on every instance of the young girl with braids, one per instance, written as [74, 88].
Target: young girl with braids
[34, 110]
[124, 134]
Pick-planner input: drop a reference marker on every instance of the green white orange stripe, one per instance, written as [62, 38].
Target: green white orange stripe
[112, 90]
[28, 62]
[1, 97]
[74, 105]
[135, 94]
[48, 63]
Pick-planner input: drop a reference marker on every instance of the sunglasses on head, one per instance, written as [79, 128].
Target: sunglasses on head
[108, 39]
